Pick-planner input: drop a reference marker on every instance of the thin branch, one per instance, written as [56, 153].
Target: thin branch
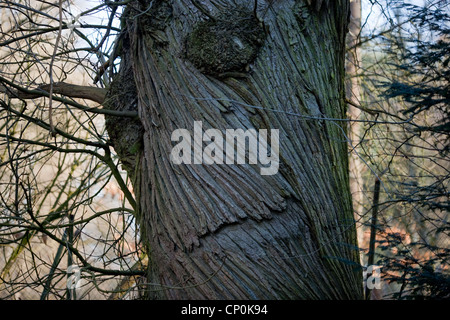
[76, 91]
[66, 89]
[55, 50]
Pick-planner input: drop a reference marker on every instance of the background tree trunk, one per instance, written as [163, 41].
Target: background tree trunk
[354, 95]
[225, 231]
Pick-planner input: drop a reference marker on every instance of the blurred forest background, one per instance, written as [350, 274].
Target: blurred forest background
[66, 205]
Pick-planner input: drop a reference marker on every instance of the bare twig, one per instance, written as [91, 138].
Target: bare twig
[55, 50]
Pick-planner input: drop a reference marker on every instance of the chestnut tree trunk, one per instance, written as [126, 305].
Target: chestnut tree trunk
[224, 231]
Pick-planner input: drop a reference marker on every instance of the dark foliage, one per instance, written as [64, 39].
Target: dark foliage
[422, 56]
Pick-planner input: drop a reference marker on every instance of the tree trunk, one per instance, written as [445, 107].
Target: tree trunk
[225, 231]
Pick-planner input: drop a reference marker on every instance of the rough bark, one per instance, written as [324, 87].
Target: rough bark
[225, 231]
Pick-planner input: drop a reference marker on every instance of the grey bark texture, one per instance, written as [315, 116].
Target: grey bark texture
[225, 231]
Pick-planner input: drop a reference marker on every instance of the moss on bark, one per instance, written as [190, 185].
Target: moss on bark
[227, 43]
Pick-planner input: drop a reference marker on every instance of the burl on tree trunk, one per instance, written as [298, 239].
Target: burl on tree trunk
[225, 231]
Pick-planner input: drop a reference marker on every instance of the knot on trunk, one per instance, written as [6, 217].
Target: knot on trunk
[227, 43]
[125, 133]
